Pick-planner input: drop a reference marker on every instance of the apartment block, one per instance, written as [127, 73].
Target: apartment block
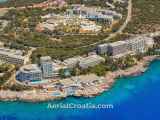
[136, 44]
[117, 48]
[29, 73]
[46, 66]
[15, 57]
[90, 61]
[102, 49]
[72, 62]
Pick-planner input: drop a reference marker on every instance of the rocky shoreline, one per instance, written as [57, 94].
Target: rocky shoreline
[110, 77]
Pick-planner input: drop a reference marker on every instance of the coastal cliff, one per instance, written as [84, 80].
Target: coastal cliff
[110, 77]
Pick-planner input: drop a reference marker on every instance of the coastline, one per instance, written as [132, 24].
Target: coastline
[110, 77]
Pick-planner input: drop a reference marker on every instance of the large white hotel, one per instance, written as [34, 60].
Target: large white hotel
[137, 44]
[15, 57]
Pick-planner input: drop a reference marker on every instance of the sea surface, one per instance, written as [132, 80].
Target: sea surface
[2, 1]
[133, 98]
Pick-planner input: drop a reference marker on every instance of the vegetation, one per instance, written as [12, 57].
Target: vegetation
[4, 68]
[16, 3]
[98, 3]
[99, 70]
[111, 64]
[58, 53]
[21, 34]
[146, 17]
[6, 71]
[88, 2]
[17, 87]
[119, 37]
[64, 73]
[156, 48]
[157, 42]
[126, 62]
[120, 63]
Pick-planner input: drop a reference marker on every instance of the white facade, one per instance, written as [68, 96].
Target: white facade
[102, 49]
[29, 73]
[46, 66]
[12, 56]
[140, 44]
[90, 26]
[72, 62]
[149, 42]
[117, 48]
[90, 61]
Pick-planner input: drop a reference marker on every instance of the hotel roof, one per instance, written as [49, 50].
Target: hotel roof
[91, 59]
[45, 59]
[12, 53]
[117, 43]
[86, 78]
[72, 60]
[103, 45]
[30, 68]
[138, 38]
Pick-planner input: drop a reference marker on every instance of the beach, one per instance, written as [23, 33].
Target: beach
[110, 77]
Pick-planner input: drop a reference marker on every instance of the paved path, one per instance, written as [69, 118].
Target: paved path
[154, 34]
[129, 15]
[111, 35]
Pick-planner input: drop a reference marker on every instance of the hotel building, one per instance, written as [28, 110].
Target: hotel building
[13, 56]
[93, 13]
[46, 66]
[29, 73]
[117, 48]
[102, 49]
[72, 62]
[137, 44]
[90, 61]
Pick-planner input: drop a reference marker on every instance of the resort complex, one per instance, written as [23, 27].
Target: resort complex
[60, 48]
[65, 77]
[48, 68]
[139, 44]
[79, 59]
[80, 19]
[13, 56]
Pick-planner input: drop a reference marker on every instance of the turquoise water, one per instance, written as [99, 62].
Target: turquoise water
[3, 1]
[134, 98]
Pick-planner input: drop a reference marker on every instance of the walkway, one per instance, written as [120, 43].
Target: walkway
[129, 15]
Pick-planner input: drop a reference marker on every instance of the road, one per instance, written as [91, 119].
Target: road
[129, 16]
[154, 34]
[28, 55]
[12, 79]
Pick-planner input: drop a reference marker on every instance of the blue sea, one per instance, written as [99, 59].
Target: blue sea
[134, 98]
[2, 1]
